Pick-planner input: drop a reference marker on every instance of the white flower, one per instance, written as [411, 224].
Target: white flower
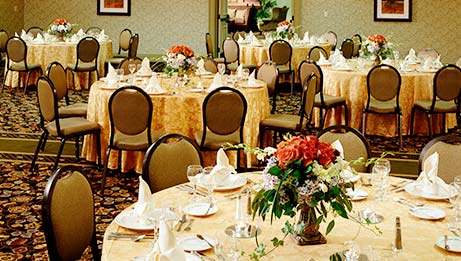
[270, 150]
[323, 187]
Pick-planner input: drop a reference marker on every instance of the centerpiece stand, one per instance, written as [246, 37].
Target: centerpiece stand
[310, 234]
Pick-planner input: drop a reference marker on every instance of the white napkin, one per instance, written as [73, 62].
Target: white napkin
[111, 77]
[145, 67]
[428, 181]
[313, 39]
[437, 63]
[166, 247]
[74, 38]
[322, 59]
[306, 38]
[145, 199]
[240, 39]
[201, 67]
[388, 61]
[411, 57]
[217, 82]
[222, 171]
[334, 58]
[341, 64]
[24, 35]
[428, 62]
[339, 147]
[154, 86]
[39, 39]
[102, 36]
[80, 33]
[346, 171]
[252, 79]
[254, 41]
[240, 71]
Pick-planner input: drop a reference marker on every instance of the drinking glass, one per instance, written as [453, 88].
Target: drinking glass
[454, 197]
[221, 68]
[132, 69]
[245, 73]
[210, 180]
[352, 251]
[193, 174]
[120, 75]
[242, 217]
[227, 248]
[379, 177]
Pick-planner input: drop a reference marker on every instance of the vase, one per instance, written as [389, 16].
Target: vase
[377, 60]
[310, 234]
[60, 37]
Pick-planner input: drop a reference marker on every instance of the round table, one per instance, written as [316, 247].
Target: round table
[418, 235]
[353, 85]
[64, 53]
[177, 111]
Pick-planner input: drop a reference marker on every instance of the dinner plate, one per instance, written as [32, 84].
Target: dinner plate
[129, 219]
[426, 70]
[207, 76]
[189, 257]
[245, 84]
[144, 74]
[453, 242]
[233, 182]
[431, 213]
[324, 64]
[413, 189]
[357, 194]
[199, 209]
[341, 69]
[196, 90]
[157, 93]
[106, 87]
[193, 243]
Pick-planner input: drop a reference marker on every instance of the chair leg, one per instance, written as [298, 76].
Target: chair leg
[429, 124]
[26, 82]
[323, 116]
[39, 145]
[443, 123]
[3, 80]
[104, 172]
[364, 122]
[292, 81]
[412, 119]
[119, 167]
[346, 115]
[399, 129]
[44, 142]
[58, 156]
[261, 136]
[98, 147]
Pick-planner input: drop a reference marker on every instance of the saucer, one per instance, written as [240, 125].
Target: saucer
[430, 213]
[200, 209]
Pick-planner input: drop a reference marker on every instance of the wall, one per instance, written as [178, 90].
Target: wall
[12, 13]
[159, 24]
[281, 3]
[434, 24]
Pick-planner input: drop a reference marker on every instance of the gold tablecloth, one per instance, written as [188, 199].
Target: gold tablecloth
[63, 53]
[418, 235]
[353, 86]
[257, 55]
[180, 112]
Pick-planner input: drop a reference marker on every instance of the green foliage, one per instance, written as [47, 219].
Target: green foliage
[266, 7]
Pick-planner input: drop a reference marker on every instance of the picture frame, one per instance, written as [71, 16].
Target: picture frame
[114, 7]
[392, 10]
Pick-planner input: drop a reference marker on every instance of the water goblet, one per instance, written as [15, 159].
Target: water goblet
[194, 172]
[454, 197]
[379, 178]
[227, 248]
[132, 69]
[221, 68]
[245, 73]
[120, 75]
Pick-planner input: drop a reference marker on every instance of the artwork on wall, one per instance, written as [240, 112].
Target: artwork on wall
[114, 7]
[393, 10]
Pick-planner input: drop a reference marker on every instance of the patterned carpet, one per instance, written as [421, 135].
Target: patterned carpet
[21, 192]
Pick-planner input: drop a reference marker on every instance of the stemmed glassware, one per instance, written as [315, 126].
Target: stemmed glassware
[379, 178]
[193, 174]
[221, 68]
[132, 69]
[227, 248]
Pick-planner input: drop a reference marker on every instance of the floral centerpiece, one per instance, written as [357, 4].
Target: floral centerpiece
[180, 59]
[378, 46]
[60, 27]
[284, 30]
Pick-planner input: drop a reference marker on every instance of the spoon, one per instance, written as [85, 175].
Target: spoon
[188, 228]
[181, 221]
[138, 238]
[204, 239]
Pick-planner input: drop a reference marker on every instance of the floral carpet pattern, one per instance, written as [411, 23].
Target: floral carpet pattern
[21, 192]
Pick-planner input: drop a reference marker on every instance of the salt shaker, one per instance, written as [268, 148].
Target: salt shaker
[397, 247]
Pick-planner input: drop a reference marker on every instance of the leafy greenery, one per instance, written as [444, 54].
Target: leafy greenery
[265, 10]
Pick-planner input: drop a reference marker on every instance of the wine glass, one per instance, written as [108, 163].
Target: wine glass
[380, 172]
[193, 174]
[132, 69]
[454, 197]
[221, 68]
[227, 248]
[246, 73]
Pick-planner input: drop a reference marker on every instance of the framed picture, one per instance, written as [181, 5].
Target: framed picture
[393, 10]
[114, 7]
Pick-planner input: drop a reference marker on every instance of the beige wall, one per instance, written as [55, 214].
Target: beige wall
[12, 13]
[159, 24]
[434, 24]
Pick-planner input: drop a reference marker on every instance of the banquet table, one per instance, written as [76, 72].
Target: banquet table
[178, 110]
[418, 235]
[257, 55]
[64, 53]
[352, 84]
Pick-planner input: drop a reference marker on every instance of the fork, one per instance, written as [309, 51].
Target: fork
[189, 226]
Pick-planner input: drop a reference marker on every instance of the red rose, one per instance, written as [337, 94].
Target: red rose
[326, 153]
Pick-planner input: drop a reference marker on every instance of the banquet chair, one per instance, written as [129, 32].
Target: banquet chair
[232, 55]
[224, 111]
[357, 39]
[210, 49]
[210, 65]
[331, 38]
[445, 97]
[123, 43]
[3, 39]
[449, 149]
[126, 61]
[268, 73]
[68, 215]
[34, 30]
[16, 52]
[280, 53]
[132, 51]
[285, 123]
[162, 168]
[347, 47]
[87, 58]
[238, 34]
[93, 31]
[65, 128]
[427, 52]
[458, 62]
[383, 87]
[314, 53]
[354, 143]
[323, 101]
[130, 116]
[57, 75]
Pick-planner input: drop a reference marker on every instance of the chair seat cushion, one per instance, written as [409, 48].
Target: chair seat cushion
[382, 107]
[281, 121]
[329, 100]
[119, 55]
[219, 60]
[73, 110]
[214, 141]
[232, 66]
[82, 67]
[116, 61]
[134, 142]
[283, 69]
[72, 126]
[440, 106]
[22, 67]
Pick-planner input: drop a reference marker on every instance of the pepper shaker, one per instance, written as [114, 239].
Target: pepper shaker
[397, 247]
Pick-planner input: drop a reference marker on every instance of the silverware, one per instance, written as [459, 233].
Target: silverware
[189, 225]
[454, 232]
[181, 221]
[204, 239]
[445, 239]
[236, 194]
[209, 208]
[416, 204]
[202, 256]
[399, 186]
[138, 238]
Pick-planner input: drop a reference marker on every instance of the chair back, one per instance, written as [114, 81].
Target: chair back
[280, 52]
[268, 73]
[449, 149]
[306, 68]
[3, 39]
[47, 103]
[34, 30]
[347, 47]
[57, 75]
[16, 50]
[331, 38]
[383, 83]
[357, 39]
[93, 30]
[210, 65]
[427, 53]
[447, 83]
[314, 53]
[224, 110]
[126, 61]
[124, 40]
[162, 168]
[68, 215]
[307, 100]
[134, 43]
[354, 143]
[130, 113]
[87, 50]
[209, 45]
[231, 51]
[238, 34]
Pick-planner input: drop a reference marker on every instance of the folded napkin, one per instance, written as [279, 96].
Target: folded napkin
[437, 63]
[222, 171]
[388, 61]
[254, 41]
[74, 38]
[306, 38]
[411, 57]
[154, 86]
[24, 35]
[102, 36]
[252, 79]
[428, 181]
[217, 82]
[341, 64]
[322, 59]
[201, 67]
[428, 62]
[39, 39]
[240, 71]
[80, 33]
[145, 200]
[240, 39]
[334, 58]
[346, 172]
[145, 67]
[339, 147]
[111, 77]
[166, 247]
